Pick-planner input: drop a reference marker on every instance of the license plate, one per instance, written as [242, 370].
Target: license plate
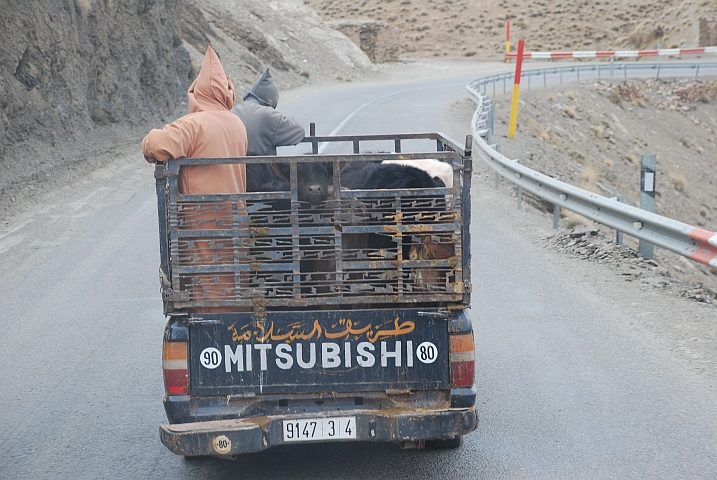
[308, 429]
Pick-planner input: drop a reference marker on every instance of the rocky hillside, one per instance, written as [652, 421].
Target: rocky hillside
[476, 28]
[66, 66]
[285, 35]
[75, 69]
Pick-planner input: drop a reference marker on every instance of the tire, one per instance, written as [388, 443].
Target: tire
[450, 443]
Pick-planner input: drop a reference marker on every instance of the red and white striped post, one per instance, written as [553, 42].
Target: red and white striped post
[618, 53]
[516, 90]
[507, 41]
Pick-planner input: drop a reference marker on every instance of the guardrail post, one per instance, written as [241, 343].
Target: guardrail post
[647, 196]
[556, 211]
[612, 64]
[556, 216]
[618, 237]
[497, 175]
[489, 122]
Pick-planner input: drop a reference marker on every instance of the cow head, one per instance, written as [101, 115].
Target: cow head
[312, 180]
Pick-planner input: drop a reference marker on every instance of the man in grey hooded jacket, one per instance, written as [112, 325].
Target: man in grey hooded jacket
[266, 128]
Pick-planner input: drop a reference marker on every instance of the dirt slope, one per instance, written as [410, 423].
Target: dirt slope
[476, 28]
[592, 135]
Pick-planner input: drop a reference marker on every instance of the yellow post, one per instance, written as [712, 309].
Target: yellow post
[507, 41]
[516, 90]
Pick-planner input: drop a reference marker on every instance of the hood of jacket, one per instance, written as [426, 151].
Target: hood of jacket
[212, 89]
[264, 91]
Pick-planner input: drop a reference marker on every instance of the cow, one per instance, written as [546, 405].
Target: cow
[389, 175]
[313, 181]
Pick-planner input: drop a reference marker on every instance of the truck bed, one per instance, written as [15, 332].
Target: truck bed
[258, 257]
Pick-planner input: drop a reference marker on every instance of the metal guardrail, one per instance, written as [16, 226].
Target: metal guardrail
[695, 243]
[593, 70]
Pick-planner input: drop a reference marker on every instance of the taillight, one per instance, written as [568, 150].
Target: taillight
[174, 363]
[462, 360]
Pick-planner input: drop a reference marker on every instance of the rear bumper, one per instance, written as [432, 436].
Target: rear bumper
[255, 434]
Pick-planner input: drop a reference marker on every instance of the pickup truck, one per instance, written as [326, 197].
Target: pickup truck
[277, 333]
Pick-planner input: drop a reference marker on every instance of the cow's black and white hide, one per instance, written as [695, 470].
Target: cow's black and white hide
[433, 167]
[378, 176]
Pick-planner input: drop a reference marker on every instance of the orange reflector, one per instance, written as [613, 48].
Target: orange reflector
[462, 342]
[174, 363]
[175, 351]
[462, 360]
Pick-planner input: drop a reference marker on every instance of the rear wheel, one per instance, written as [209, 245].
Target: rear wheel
[450, 443]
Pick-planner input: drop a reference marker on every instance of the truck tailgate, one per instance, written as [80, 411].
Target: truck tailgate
[319, 351]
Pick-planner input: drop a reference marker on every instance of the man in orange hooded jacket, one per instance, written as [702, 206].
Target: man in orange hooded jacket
[210, 130]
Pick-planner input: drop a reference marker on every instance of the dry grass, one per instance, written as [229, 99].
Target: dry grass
[589, 176]
[570, 111]
[599, 130]
[609, 162]
[573, 220]
[678, 180]
[570, 94]
[544, 135]
[83, 7]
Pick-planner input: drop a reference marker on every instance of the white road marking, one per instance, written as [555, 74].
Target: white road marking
[85, 200]
[352, 114]
[22, 225]
[10, 242]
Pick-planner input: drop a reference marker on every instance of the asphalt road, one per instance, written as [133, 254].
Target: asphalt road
[575, 378]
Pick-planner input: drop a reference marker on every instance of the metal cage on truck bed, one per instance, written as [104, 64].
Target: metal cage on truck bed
[268, 251]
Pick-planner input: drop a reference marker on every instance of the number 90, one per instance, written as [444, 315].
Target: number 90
[210, 358]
